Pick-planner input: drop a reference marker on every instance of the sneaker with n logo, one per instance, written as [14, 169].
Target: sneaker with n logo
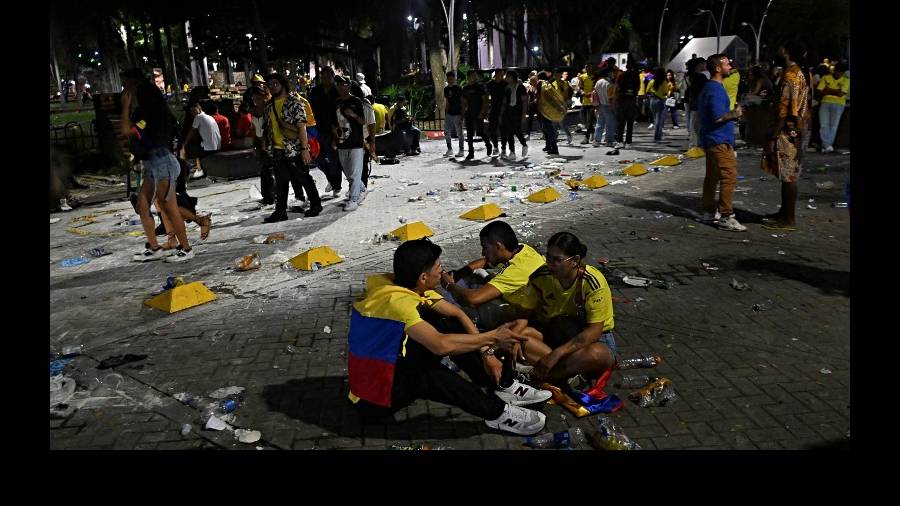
[518, 420]
[520, 394]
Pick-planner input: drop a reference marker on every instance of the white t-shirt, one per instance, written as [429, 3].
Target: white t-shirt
[602, 89]
[210, 138]
[257, 125]
[365, 89]
[370, 115]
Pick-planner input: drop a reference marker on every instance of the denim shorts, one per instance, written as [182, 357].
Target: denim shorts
[608, 339]
[162, 166]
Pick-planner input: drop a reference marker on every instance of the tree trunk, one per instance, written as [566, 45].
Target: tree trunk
[110, 81]
[263, 43]
[174, 64]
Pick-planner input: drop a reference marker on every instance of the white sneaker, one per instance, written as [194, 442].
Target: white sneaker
[351, 206]
[460, 154]
[710, 217]
[675, 127]
[518, 420]
[362, 196]
[524, 150]
[180, 255]
[616, 145]
[519, 394]
[731, 224]
[512, 154]
[650, 127]
[64, 205]
[198, 174]
[449, 152]
[148, 255]
[829, 149]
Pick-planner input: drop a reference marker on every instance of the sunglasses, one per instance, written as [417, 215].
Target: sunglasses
[558, 260]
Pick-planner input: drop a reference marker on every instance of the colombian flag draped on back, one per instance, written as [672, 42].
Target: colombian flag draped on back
[377, 336]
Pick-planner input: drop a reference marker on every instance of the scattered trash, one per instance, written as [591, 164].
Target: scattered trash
[186, 429]
[247, 436]
[75, 261]
[636, 281]
[216, 423]
[611, 437]
[737, 285]
[327, 329]
[61, 389]
[827, 185]
[402, 219]
[269, 239]
[117, 360]
[460, 187]
[171, 282]
[635, 381]
[54, 220]
[654, 238]
[415, 199]
[557, 440]
[255, 194]
[708, 267]
[619, 181]
[449, 364]
[221, 393]
[421, 446]
[72, 350]
[825, 371]
[57, 366]
[247, 262]
[315, 266]
[99, 252]
[658, 393]
[277, 258]
[640, 362]
[839, 204]
[291, 349]
[765, 306]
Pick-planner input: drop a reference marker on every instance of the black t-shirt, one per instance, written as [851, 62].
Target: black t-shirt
[497, 91]
[323, 106]
[453, 95]
[628, 85]
[521, 98]
[474, 94]
[349, 131]
[157, 129]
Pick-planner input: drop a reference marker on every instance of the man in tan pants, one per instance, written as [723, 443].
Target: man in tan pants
[717, 138]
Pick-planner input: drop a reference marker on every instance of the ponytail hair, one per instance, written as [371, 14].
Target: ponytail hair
[568, 243]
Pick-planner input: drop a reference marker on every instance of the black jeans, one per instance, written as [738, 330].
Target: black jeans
[367, 169]
[588, 117]
[512, 126]
[626, 113]
[475, 125]
[328, 161]
[267, 178]
[420, 375]
[287, 169]
[532, 113]
[494, 129]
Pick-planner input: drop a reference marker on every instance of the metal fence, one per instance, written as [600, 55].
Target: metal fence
[77, 135]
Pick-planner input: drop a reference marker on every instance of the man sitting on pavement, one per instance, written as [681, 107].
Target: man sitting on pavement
[395, 351]
[495, 302]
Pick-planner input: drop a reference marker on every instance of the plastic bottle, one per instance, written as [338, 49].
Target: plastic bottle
[577, 437]
[449, 364]
[72, 262]
[641, 362]
[72, 349]
[611, 437]
[230, 403]
[550, 440]
[636, 381]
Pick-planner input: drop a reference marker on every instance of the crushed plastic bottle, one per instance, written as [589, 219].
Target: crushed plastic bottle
[72, 350]
[640, 362]
[75, 261]
[99, 252]
[658, 393]
[186, 429]
[421, 446]
[765, 306]
[611, 437]
[557, 440]
[316, 266]
[247, 262]
[839, 204]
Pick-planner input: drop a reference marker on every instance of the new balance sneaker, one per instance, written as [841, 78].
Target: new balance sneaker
[449, 152]
[731, 224]
[518, 420]
[149, 254]
[710, 217]
[180, 255]
[520, 394]
[524, 150]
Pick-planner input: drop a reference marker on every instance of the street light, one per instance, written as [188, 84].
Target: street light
[535, 49]
[409, 18]
[758, 34]
[718, 26]
[659, 34]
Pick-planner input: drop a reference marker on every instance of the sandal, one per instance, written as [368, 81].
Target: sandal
[171, 243]
[205, 225]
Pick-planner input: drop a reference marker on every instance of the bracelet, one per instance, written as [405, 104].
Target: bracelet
[490, 351]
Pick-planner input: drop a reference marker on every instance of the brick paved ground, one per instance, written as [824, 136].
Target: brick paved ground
[744, 379]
